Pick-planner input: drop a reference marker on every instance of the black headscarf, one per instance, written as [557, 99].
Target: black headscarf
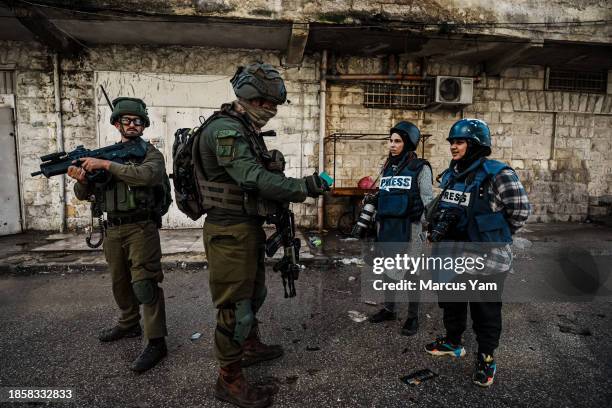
[404, 154]
[474, 152]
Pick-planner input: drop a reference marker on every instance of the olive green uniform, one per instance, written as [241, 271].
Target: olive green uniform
[234, 240]
[132, 244]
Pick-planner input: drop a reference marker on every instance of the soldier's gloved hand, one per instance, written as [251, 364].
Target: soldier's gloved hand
[315, 185]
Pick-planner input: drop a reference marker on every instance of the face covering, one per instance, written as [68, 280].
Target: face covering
[258, 115]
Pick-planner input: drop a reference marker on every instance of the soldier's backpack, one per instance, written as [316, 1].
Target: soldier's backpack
[186, 193]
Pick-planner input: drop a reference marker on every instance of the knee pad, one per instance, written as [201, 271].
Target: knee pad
[146, 291]
[258, 298]
[244, 320]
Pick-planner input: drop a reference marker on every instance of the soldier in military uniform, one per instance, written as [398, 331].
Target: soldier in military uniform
[241, 182]
[132, 196]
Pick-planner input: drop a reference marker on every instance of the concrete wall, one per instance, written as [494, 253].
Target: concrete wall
[296, 124]
[555, 140]
[377, 11]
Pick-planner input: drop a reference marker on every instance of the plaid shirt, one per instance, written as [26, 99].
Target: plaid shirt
[507, 195]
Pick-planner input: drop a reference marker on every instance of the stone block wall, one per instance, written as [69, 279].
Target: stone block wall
[559, 142]
[555, 140]
[296, 124]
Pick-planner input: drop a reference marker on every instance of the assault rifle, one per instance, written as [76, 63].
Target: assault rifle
[285, 236]
[55, 164]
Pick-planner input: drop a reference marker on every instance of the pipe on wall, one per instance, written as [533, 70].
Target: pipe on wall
[322, 126]
[59, 136]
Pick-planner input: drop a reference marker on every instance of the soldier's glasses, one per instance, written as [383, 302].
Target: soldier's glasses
[136, 121]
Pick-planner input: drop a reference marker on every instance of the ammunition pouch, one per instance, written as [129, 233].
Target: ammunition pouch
[231, 197]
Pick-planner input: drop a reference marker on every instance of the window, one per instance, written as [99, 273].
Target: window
[409, 95]
[580, 81]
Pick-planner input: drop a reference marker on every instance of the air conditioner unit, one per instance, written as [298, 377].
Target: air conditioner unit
[454, 90]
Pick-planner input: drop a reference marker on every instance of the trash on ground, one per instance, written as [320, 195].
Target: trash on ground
[356, 316]
[370, 302]
[418, 377]
[313, 348]
[196, 336]
[315, 241]
[349, 239]
[428, 315]
[183, 265]
[521, 243]
[351, 261]
[351, 278]
[582, 331]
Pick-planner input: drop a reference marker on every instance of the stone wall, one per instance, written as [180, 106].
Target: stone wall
[558, 142]
[297, 124]
[555, 140]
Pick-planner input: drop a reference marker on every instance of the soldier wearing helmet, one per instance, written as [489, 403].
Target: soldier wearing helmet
[241, 183]
[405, 190]
[134, 198]
[482, 201]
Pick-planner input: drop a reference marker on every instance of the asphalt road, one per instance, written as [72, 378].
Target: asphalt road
[50, 322]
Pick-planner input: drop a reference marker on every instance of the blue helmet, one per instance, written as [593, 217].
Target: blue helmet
[475, 130]
[410, 134]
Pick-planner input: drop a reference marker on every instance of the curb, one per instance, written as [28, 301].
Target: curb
[80, 268]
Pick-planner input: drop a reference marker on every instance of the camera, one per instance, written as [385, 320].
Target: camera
[367, 215]
[444, 220]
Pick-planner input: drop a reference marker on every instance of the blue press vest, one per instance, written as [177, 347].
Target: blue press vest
[477, 223]
[399, 201]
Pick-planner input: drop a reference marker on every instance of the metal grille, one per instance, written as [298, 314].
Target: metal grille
[7, 82]
[585, 81]
[408, 95]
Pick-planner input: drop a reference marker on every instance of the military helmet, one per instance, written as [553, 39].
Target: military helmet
[475, 130]
[259, 80]
[129, 106]
[409, 132]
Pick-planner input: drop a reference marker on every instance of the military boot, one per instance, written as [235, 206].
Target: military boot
[153, 353]
[254, 351]
[117, 333]
[232, 387]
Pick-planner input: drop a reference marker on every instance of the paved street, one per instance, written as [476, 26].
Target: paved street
[50, 322]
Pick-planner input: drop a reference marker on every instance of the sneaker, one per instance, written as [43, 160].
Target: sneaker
[442, 347]
[484, 373]
[153, 353]
[117, 333]
[382, 315]
[410, 327]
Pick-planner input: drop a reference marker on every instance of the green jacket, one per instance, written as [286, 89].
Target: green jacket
[148, 173]
[227, 157]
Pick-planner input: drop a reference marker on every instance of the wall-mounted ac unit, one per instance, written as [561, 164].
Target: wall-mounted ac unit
[454, 90]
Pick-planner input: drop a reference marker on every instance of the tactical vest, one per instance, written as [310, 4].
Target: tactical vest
[229, 195]
[470, 193]
[399, 194]
[117, 198]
